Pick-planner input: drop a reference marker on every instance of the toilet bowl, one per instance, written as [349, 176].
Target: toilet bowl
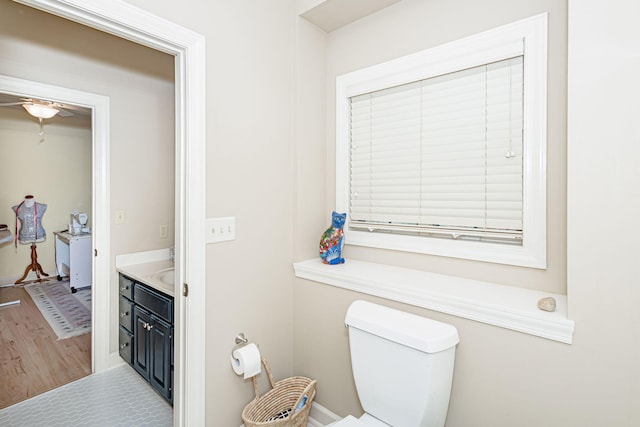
[402, 365]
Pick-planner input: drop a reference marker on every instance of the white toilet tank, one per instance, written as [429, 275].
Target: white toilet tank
[402, 364]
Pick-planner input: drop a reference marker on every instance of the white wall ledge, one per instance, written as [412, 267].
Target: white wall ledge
[499, 305]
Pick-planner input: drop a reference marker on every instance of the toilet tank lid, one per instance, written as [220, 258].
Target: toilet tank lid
[429, 336]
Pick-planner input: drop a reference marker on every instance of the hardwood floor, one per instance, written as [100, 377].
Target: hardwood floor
[32, 360]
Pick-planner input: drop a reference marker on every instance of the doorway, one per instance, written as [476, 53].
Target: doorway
[97, 106]
[188, 49]
[46, 328]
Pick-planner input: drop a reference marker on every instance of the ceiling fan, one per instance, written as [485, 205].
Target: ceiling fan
[39, 108]
[42, 109]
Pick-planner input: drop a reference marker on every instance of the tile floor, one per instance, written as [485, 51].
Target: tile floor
[117, 397]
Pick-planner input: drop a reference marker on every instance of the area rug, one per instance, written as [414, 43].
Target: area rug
[68, 314]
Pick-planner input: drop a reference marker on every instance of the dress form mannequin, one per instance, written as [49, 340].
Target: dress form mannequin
[30, 214]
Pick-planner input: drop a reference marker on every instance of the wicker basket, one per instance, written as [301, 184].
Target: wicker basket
[277, 407]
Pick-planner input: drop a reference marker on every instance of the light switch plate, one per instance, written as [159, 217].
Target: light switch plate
[220, 229]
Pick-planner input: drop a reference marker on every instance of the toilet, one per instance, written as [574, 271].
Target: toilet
[402, 366]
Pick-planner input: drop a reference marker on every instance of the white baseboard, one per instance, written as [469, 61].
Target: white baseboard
[10, 281]
[319, 416]
[7, 281]
[115, 360]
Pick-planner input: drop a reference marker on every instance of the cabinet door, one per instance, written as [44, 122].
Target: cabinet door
[160, 353]
[141, 341]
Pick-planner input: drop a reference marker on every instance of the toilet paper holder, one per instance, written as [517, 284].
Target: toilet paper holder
[241, 339]
[245, 357]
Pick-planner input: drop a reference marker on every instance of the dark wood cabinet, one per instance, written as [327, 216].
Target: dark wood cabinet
[146, 334]
[141, 338]
[160, 356]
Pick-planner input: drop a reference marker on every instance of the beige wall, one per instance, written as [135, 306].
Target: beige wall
[250, 78]
[139, 83]
[502, 377]
[312, 214]
[57, 172]
[603, 199]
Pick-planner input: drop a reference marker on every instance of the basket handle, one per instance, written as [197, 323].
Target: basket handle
[309, 391]
[269, 374]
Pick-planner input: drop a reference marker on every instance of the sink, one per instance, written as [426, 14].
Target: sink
[166, 276]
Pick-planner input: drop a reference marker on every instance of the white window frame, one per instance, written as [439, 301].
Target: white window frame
[490, 46]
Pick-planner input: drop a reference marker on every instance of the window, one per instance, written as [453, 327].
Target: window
[443, 152]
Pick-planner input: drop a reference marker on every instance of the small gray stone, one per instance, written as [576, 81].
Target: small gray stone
[547, 304]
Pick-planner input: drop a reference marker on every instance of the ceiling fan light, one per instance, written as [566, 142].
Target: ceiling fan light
[41, 111]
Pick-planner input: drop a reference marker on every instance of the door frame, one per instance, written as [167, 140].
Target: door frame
[99, 105]
[188, 48]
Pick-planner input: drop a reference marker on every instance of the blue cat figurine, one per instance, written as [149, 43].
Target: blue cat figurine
[332, 240]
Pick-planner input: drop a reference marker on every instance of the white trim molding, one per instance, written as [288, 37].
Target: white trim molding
[527, 37]
[498, 305]
[139, 26]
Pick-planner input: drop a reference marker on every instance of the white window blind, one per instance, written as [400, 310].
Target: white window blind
[441, 156]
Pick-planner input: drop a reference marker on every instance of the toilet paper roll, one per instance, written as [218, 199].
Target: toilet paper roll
[246, 360]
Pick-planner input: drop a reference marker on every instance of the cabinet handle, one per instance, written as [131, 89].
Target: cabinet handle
[124, 313]
[145, 325]
[149, 327]
[123, 288]
[124, 345]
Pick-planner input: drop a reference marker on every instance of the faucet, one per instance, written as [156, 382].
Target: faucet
[172, 255]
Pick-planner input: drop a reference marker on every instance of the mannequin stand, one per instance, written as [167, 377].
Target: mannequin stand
[34, 266]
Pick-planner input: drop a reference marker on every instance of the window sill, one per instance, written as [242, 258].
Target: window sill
[499, 305]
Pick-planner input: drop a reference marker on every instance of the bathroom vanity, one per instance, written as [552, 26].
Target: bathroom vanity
[146, 301]
[146, 333]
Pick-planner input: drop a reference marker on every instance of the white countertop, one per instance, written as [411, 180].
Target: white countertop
[143, 266]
